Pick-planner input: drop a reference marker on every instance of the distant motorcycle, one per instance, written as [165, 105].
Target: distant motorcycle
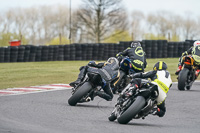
[186, 76]
[135, 103]
[126, 69]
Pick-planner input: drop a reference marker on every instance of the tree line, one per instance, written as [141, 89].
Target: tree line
[96, 21]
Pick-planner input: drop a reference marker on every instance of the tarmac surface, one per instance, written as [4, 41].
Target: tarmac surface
[49, 112]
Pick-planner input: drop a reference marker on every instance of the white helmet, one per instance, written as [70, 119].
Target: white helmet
[112, 60]
[135, 44]
[114, 63]
[196, 43]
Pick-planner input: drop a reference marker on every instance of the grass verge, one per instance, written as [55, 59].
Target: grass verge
[41, 73]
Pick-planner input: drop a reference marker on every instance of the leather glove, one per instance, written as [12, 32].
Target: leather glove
[118, 54]
[136, 75]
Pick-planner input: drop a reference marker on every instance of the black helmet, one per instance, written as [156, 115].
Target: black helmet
[135, 44]
[160, 66]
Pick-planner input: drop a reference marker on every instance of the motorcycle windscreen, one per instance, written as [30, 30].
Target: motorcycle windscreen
[126, 64]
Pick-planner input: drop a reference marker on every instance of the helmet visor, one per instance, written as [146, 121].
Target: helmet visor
[113, 60]
[135, 44]
[196, 54]
[196, 59]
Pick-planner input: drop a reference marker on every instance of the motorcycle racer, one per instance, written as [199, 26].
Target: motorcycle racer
[137, 56]
[162, 79]
[109, 72]
[195, 52]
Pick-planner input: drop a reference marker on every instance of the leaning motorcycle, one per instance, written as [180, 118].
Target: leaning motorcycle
[187, 76]
[126, 69]
[85, 89]
[135, 103]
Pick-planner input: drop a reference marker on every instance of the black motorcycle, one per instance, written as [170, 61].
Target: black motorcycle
[84, 92]
[125, 70]
[135, 103]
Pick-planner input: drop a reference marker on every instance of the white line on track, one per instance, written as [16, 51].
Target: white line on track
[38, 89]
[33, 89]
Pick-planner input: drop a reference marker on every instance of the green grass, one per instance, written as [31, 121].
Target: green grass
[41, 73]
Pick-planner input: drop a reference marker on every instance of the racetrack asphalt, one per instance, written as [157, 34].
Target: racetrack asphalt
[49, 112]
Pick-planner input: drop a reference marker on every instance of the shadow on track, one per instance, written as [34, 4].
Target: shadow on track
[139, 124]
[90, 106]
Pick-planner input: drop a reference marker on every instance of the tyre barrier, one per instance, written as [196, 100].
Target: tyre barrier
[100, 51]
[2, 53]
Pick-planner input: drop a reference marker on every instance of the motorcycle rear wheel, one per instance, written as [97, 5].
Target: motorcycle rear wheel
[79, 94]
[132, 111]
[182, 78]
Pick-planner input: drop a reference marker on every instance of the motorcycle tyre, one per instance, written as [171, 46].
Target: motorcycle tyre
[78, 95]
[132, 111]
[182, 78]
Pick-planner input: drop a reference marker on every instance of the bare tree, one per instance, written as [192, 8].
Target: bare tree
[189, 27]
[175, 28]
[1, 23]
[100, 18]
[61, 20]
[8, 21]
[137, 17]
[164, 23]
[198, 29]
[77, 30]
[32, 22]
[20, 22]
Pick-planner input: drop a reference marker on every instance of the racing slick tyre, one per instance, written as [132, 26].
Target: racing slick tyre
[182, 78]
[132, 111]
[79, 94]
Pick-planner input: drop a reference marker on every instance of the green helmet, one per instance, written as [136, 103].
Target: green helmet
[196, 54]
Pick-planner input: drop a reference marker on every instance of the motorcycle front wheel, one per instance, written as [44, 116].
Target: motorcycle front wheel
[182, 79]
[132, 111]
[79, 94]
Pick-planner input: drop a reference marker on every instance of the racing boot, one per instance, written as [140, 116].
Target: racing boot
[178, 70]
[80, 77]
[103, 95]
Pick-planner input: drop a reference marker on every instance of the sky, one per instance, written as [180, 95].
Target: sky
[179, 7]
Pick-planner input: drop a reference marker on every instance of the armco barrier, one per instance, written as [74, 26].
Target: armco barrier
[102, 51]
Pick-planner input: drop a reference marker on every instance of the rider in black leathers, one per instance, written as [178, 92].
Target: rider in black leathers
[137, 56]
[109, 72]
